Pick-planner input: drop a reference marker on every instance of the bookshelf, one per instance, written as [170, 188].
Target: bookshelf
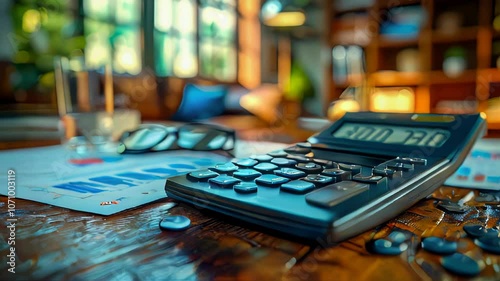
[454, 45]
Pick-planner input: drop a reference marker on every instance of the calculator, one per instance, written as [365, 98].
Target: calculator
[359, 172]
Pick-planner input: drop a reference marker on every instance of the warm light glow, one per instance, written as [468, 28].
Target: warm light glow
[163, 19]
[250, 102]
[76, 63]
[98, 52]
[285, 19]
[127, 60]
[249, 66]
[338, 108]
[496, 23]
[263, 102]
[208, 15]
[92, 6]
[31, 21]
[185, 62]
[248, 8]
[226, 20]
[393, 100]
[492, 112]
[185, 21]
[126, 56]
[339, 52]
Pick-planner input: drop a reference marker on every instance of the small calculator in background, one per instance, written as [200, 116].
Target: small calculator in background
[361, 171]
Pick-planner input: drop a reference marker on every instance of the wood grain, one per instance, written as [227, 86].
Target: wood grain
[58, 244]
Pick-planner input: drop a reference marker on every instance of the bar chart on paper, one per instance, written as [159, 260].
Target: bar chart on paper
[100, 184]
[481, 169]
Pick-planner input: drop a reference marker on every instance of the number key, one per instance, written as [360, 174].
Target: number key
[310, 168]
[354, 169]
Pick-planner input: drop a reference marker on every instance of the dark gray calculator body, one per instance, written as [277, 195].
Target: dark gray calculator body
[361, 171]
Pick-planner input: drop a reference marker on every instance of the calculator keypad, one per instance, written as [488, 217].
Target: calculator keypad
[385, 172]
[271, 180]
[290, 173]
[203, 175]
[246, 174]
[336, 193]
[225, 168]
[245, 187]
[409, 160]
[224, 181]
[246, 162]
[294, 170]
[337, 174]
[283, 162]
[297, 186]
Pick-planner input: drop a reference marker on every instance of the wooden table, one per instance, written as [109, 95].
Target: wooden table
[59, 244]
[53, 243]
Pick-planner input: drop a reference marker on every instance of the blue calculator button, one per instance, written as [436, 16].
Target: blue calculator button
[477, 230]
[290, 173]
[262, 157]
[367, 179]
[246, 174]
[278, 153]
[310, 168]
[378, 184]
[336, 193]
[225, 168]
[297, 186]
[224, 181]
[265, 168]
[283, 162]
[383, 172]
[461, 264]
[299, 158]
[175, 223]
[337, 174]
[399, 166]
[354, 169]
[271, 180]
[246, 162]
[327, 164]
[245, 187]
[202, 175]
[489, 243]
[438, 245]
[412, 160]
[319, 180]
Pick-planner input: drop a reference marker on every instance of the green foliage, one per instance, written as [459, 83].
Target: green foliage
[300, 86]
[42, 30]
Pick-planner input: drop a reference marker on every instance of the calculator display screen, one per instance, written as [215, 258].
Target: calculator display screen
[396, 135]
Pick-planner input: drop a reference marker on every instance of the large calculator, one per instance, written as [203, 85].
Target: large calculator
[361, 171]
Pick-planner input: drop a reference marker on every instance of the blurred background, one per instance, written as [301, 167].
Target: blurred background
[269, 60]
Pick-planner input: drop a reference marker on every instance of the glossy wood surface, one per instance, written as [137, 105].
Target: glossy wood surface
[58, 244]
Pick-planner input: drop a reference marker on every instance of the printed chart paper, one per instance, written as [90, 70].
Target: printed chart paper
[481, 168]
[104, 184]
